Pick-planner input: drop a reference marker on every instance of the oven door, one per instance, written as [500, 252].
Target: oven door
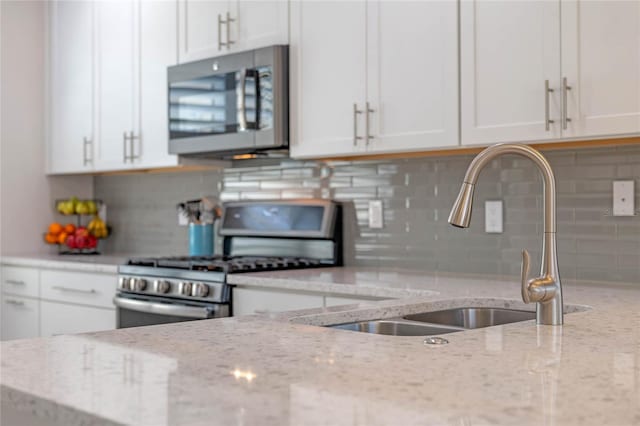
[140, 311]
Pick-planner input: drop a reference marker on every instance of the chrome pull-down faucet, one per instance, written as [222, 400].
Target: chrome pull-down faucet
[546, 289]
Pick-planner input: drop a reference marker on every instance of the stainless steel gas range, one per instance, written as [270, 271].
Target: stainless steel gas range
[258, 236]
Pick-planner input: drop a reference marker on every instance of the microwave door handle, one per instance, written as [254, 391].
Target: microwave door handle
[242, 107]
[164, 308]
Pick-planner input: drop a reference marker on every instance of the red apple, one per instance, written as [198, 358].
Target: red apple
[81, 241]
[71, 242]
[92, 242]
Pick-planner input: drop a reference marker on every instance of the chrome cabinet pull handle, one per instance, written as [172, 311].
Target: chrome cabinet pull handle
[14, 302]
[84, 151]
[14, 282]
[220, 22]
[74, 290]
[85, 159]
[367, 121]
[565, 114]
[228, 22]
[124, 147]
[356, 111]
[547, 120]
[132, 137]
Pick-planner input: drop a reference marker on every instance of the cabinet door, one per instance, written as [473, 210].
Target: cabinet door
[158, 50]
[19, 317]
[115, 76]
[248, 301]
[71, 103]
[601, 61]
[507, 52]
[20, 281]
[62, 318]
[412, 64]
[200, 31]
[260, 23]
[328, 77]
[78, 287]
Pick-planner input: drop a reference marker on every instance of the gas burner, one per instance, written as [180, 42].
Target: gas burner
[229, 264]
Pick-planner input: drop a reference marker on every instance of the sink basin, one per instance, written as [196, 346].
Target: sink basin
[396, 327]
[470, 318]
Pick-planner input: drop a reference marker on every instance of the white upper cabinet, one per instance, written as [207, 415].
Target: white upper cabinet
[209, 28]
[412, 75]
[383, 79]
[260, 23]
[508, 50]
[115, 82]
[158, 50]
[328, 78]
[108, 94]
[202, 28]
[71, 137]
[601, 62]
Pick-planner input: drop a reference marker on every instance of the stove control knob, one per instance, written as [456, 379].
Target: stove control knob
[123, 283]
[161, 286]
[185, 288]
[200, 290]
[137, 284]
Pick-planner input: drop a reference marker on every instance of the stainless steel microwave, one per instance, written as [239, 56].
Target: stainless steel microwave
[232, 104]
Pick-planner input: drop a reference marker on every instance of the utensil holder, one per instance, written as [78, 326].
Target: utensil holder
[200, 239]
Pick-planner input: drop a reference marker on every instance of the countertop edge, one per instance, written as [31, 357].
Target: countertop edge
[338, 289]
[79, 266]
[49, 411]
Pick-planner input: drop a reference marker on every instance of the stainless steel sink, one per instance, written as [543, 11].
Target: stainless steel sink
[397, 327]
[470, 318]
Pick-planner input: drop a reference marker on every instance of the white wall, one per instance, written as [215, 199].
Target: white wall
[26, 193]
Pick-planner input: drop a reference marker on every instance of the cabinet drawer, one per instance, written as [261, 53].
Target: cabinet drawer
[61, 318]
[19, 317]
[79, 287]
[20, 281]
[251, 301]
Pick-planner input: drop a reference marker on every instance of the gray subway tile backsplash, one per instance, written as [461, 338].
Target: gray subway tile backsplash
[417, 194]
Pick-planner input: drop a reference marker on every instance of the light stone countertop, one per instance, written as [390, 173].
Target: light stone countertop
[280, 370]
[107, 264]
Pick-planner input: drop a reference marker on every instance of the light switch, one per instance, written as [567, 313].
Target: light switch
[623, 198]
[493, 217]
[375, 214]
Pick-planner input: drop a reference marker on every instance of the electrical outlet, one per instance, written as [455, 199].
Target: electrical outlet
[623, 198]
[375, 214]
[493, 223]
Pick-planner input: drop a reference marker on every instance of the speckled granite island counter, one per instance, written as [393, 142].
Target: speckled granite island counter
[284, 369]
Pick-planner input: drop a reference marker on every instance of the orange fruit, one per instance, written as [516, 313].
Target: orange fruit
[69, 228]
[55, 228]
[62, 238]
[50, 238]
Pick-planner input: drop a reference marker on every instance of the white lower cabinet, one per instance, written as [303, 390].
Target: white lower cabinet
[43, 302]
[64, 318]
[20, 317]
[248, 301]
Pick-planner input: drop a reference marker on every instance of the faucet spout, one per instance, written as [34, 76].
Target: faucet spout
[545, 290]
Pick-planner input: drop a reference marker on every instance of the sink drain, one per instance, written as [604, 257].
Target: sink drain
[435, 341]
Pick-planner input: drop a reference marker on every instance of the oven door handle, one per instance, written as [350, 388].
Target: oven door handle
[164, 308]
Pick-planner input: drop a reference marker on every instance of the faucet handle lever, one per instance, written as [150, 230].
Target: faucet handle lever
[525, 276]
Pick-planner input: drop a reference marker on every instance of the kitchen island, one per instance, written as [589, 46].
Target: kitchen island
[275, 369]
